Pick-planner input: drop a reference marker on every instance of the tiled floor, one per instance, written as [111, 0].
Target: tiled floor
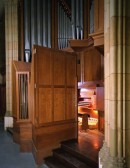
[10, 156]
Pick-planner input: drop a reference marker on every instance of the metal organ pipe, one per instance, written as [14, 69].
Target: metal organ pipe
[49, 23]
[64, 28]
[39, 23]
[81, 18]
[58, 26]
[77, 19]
[73, 18]
[27, 25]
[44, 24]
[61, 28]
[33, 23]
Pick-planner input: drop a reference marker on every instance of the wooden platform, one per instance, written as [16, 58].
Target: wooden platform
[78, 154]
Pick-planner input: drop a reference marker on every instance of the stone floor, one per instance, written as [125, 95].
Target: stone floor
[10, 156]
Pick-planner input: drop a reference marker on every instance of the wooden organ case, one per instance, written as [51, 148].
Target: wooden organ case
[52, 102]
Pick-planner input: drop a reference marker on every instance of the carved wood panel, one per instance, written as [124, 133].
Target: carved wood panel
[44, 105]
[59, 68]
[54, 85]
[43, 66]
[59, 104]
[70, 103]
[70, 69]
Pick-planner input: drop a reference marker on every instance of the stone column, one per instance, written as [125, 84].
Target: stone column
[11, 42]
[115, 152]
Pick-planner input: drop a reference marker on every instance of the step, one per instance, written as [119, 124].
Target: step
[74, 149]
[68, 159]
[52, 162]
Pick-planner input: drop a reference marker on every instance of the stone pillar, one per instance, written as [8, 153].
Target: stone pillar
[11, 41]
[115, 152]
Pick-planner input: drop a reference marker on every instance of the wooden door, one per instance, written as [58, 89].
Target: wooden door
[55, 86]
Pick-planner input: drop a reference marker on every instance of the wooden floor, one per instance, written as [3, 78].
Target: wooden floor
[81, 154]
[90, 142]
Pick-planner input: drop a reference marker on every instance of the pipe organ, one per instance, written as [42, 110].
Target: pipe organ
[38, 23]
[64, 25]
[77, 19]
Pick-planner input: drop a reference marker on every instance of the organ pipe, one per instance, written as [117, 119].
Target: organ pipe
[27, 24]
[49, 23]
[33, 23]
[81, 19]
[39, 23]
[73, 18]
[44, 24]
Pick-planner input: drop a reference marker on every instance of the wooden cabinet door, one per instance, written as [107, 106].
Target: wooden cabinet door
[55, 86]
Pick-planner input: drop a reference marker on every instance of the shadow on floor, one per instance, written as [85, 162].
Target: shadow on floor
[10, 156]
